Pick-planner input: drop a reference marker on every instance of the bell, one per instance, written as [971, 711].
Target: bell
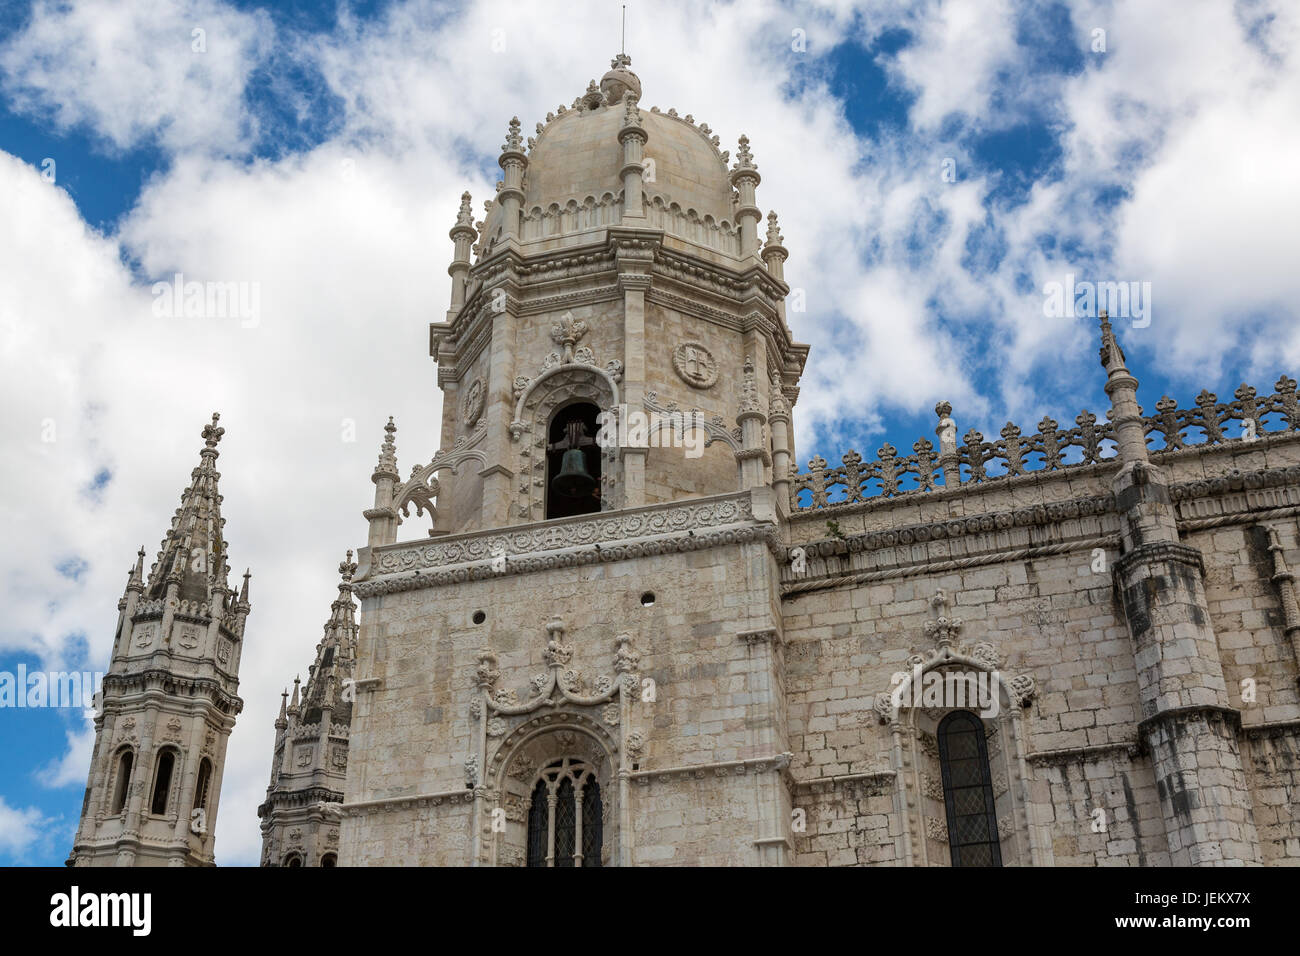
[573, 481]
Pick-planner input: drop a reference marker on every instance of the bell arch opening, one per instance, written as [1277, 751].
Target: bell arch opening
[573, 461]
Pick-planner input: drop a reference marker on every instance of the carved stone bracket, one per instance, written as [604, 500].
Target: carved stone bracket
[422, 487]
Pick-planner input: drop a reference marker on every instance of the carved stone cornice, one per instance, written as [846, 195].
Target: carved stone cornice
[568, 542]
[362, 808]
[777, 763]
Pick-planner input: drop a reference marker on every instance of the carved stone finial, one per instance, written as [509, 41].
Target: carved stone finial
[942, 629]
[388, 450]
[348, 567]
[619, 80]
[486, 673]
[1112, 356]
[774, 237]
[631, 115]
[626, 658]
[211, 434]
[514, 139]
[465, 217]
[744, 159]
[567, 333]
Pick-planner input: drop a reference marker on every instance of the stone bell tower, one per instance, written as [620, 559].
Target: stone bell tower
[170, 696]
[598, 593]
[618, 270]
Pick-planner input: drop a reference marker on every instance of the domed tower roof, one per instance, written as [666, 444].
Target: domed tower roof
[577, 155]
[576, 165]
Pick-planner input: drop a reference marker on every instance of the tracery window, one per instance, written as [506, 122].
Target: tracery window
[565, 816]
[968, 791]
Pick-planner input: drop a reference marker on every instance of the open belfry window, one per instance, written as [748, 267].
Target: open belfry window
[123, 786]
[573, 462]
[201, 785]
[162, 782]
[566, 816]
[968, 791]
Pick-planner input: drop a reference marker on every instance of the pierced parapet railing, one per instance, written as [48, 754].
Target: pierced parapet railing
[1051, 448]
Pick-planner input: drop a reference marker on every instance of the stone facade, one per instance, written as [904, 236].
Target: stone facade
[732, 663]
[170, 696]
[1078, 646]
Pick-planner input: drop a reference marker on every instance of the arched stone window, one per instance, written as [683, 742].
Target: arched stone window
[162, 782]
[123, 785]
[328, 860]
[293, 859]
[968, 791]
[565, 816]
[573, 456]
[202, 783]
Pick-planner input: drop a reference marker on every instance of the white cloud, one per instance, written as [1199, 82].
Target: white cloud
[71, 768]
[138, 70]
[22, 829]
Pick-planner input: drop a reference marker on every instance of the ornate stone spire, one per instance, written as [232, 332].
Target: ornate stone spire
[193, 552]
[387, 465]
[1121, 387]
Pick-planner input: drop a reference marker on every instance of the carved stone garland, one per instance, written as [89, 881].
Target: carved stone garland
[558, 701]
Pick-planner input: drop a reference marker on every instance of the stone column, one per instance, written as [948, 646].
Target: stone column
[946, 431]
[513, 163]
[462, 234]
[633, 139]
[1187, 723]
[745, 178]
[634, 279]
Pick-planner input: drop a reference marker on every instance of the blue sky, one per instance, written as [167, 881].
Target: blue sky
[320, 149]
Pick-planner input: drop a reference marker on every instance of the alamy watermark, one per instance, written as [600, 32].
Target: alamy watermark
[208, 300]
[627, 427]
[49, 688]
[965, 690]
[1122, 300]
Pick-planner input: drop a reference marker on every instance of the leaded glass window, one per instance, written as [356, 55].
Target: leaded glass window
[968, 791]
[565, 816]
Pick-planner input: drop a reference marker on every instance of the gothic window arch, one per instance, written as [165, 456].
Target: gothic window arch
[293, 859]
[565, 816]
[968, 791]
[164, 768]
[122, 786]
[202, 783]
[329, 860]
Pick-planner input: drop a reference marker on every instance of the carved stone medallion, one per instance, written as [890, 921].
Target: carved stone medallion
[695, 365]
[473, 406]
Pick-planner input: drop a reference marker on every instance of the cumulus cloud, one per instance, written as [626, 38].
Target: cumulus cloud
[167, 70]
[22, 829]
